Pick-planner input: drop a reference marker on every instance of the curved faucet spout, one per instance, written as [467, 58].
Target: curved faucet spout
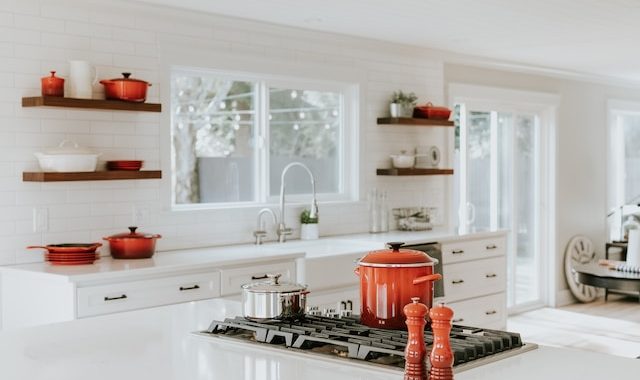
[313, 212]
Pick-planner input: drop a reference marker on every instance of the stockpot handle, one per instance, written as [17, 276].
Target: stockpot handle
[431, 277]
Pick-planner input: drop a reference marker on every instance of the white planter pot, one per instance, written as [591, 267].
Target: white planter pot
[395, 110]
[309, 231]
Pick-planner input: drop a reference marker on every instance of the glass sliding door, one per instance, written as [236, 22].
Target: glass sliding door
[499, 178]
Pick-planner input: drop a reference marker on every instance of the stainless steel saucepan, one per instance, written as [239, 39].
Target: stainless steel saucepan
[268, 300]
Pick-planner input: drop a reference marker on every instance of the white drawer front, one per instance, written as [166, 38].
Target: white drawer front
[474, 278]
[473, 249]
[112, 298]
[331, 271]
[233, 278]
[488, 312]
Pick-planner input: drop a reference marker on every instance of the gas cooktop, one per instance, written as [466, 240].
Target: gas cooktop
[346, 339]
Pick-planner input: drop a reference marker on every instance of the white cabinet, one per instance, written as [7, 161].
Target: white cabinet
[33, 298]
[131, 295]
[475, 280]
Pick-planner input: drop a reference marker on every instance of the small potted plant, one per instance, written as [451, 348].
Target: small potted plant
[309, 226]
[402, 104]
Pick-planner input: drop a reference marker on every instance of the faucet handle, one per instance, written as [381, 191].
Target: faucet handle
[259, 235]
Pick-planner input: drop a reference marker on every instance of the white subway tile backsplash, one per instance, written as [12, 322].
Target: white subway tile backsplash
[36, 37]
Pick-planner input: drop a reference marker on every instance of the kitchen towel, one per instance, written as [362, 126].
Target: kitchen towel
[633, 248]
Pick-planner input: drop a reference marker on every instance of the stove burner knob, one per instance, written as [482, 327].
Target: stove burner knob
[345, 313]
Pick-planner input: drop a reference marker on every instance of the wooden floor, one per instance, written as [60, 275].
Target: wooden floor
[612, 327]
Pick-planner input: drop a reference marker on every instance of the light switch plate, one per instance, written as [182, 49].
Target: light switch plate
[40, 219]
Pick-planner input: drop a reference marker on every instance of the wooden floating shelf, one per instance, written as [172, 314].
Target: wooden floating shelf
[413, 171]
[100, 104]
[414, 121]
[108, 175]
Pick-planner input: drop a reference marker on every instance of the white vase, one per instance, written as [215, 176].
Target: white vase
[395, 109]
[309, 231]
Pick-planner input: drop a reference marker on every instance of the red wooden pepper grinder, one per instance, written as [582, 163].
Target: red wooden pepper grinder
[441, 355]
[415, 353]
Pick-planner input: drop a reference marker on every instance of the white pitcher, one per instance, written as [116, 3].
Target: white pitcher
[82, 77]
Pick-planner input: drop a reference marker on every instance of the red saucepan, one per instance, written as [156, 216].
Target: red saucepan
[389, 279]
[127, 89]
[132, 245]
[69, 248]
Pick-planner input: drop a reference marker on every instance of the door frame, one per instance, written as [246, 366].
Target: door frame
[545, 106]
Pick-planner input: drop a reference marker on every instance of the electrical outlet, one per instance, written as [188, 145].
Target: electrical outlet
[40, 219]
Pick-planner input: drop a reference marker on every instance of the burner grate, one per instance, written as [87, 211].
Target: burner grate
[346, 337]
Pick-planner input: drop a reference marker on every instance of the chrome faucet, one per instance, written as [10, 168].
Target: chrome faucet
[260, 232]
[283, 231]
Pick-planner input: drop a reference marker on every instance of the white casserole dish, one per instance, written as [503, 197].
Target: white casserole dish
[403, 160]
[68, 159]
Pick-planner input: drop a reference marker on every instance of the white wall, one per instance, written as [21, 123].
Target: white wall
[40, 35]
[581, 139]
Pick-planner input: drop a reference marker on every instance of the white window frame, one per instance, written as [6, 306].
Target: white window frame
[524, 102]
[349, 137]
[617, 205]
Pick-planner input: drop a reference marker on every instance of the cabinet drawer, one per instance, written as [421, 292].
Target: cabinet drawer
[474, 278]
[112, 298]
[473, 249]
[488, 312]
[232, 279]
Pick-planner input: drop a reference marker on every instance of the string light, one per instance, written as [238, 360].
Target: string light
[335, 113]
[237, 117]
[327, 126]
[294, 94]
[296, 127]
[236, 126]
[270, 117]
[301, 115]
[222, 105]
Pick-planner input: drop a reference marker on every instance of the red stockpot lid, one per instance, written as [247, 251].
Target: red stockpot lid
[132, 234]
[396, 257]
[125, 78]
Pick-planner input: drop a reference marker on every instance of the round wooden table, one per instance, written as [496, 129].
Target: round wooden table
[603, 277]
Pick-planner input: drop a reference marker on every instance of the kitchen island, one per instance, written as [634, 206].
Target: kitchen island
[158, 343]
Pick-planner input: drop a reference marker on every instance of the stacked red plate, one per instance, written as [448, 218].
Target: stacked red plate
[124, 165]
[71, 258]
[71, 254]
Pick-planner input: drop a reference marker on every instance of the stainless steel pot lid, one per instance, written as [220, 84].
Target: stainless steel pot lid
[273, 285]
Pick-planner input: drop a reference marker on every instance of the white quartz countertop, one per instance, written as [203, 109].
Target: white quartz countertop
[157, 344]
[213, 257]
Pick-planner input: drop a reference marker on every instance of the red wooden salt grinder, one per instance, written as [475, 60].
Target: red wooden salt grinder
[441, 355]
[415, 353]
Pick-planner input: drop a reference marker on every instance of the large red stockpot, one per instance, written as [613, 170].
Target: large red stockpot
[127, 89]
[389, 279]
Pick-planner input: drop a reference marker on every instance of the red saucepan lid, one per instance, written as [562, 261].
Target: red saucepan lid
[396, 257]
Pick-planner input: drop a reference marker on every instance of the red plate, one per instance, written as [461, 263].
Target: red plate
[80, 262]
[124, 165]
[61, 259]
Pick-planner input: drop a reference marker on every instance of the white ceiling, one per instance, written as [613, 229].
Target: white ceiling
[583, 36]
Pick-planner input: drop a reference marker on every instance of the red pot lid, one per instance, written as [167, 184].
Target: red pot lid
[126, 78]
[132, 234]
[397, 257]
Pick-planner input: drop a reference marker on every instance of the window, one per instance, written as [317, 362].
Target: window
[503, 168]
[624, 165]
[233, 134]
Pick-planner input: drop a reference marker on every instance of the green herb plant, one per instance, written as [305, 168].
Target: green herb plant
[407, 100]
[305, 218]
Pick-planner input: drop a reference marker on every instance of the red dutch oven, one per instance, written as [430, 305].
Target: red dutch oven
[389, 279]
[132, 245]
[127, 89]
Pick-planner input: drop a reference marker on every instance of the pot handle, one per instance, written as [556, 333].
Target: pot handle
[37, 246]
[357, 271]
[431, 277]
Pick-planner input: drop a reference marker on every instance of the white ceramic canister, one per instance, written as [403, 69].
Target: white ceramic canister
[82, 77]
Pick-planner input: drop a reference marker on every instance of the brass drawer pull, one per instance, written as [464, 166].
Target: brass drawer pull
[491, 275]
[106, 299]
[183, 288]
[491, 246]
[491, 312]
[457, 282]
[457, 251]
